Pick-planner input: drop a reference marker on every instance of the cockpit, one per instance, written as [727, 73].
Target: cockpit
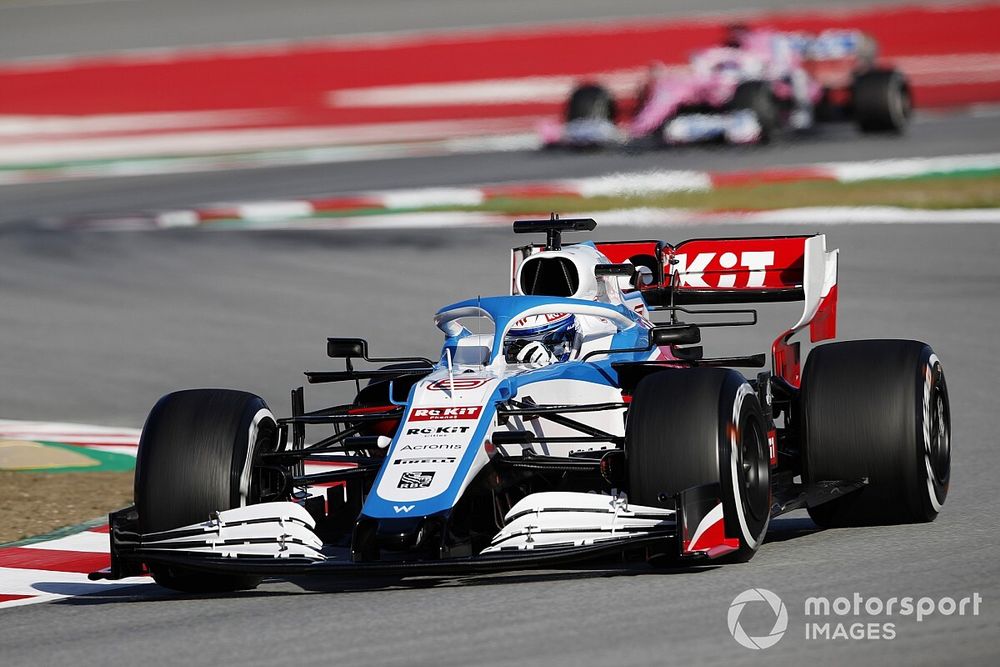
[532, 331]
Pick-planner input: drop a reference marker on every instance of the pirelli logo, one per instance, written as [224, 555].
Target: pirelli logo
[441, 414]
[447, 460]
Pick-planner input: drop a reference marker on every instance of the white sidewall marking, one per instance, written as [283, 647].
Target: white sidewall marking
[261, 415]
[713, 517]
[751, 540]
[932, 363]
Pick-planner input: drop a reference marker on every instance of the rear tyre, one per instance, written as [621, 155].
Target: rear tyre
[591, 102]
[691, 427]
[756, 96]
[882, 101]
[877, 409]
[196, 457]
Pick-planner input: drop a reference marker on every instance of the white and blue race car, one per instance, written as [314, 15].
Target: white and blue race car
[563, 422]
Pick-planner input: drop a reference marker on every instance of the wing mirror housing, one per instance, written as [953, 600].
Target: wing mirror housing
[675, 334]
[347, 348]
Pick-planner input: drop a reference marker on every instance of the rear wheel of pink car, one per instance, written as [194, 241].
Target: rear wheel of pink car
[882, 101]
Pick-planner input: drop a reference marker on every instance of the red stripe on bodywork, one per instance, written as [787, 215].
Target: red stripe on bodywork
[714, 535]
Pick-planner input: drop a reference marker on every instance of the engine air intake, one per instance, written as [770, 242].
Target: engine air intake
[549, 276]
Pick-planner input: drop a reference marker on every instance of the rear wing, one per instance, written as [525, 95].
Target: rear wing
[743, 270]
[754, 270]
[738, 270]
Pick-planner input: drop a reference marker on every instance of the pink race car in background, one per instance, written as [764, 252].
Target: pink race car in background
[757, 84]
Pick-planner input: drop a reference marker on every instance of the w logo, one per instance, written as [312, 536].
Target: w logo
[402, 508]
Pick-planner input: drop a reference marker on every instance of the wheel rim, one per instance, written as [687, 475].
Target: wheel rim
[940, 440]
[753, 472]
[899, 104]
[265, 483]
[601, 109]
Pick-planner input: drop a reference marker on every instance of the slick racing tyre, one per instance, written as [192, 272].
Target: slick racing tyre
[692, 427]
[756, 96]
[877, 409]
[882, 101]
[591, 102]
[196, 457]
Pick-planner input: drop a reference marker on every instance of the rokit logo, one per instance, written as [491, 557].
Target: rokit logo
[707, 271]
[416, 480]
[457, 384]
[438, 430]
[544, 318]
[441, 414]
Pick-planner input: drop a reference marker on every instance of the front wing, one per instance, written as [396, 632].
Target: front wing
[280, 544]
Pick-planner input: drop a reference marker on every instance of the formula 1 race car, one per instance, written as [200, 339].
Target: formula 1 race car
[561, 423]
[759, 83]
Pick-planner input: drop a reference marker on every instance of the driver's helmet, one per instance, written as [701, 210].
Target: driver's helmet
[736, 35]
[555, 331]
[727, 66]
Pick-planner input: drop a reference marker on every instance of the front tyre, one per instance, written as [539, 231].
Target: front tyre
[196, 456]
[591, 102]
[877, 410]
[756, 96]
[692, 427]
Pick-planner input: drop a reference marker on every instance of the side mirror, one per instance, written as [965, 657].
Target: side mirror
[675, 334]
[347, 348]
[665, 334]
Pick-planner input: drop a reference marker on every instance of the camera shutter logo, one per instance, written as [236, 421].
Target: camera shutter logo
[776, 606]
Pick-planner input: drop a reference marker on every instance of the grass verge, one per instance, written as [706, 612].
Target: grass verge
[960, 191]
[36, 503]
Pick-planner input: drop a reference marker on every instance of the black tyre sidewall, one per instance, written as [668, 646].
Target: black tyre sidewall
[876, 95]
[875, 391]
[195, 457]
[683, 431]
[933, 378]
[744, 409]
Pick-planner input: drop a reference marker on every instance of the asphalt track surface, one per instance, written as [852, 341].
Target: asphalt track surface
[32, 28]
[931, 134]
[97, 326]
